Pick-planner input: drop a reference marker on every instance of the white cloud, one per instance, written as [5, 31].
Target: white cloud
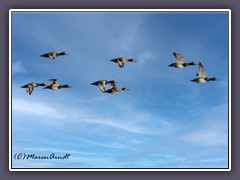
[212, 130]
[58, 150]
[17, 67]
[145, 57]
[80, 115]
[207, 137]
[115, 145]
[116, 124]
[34, 108]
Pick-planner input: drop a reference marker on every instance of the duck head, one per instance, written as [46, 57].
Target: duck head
[112, 82]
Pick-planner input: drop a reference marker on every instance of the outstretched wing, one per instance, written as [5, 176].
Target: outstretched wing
[102, 87]
[201, 71]
[53, 55]
[30, 89]
[114, 87]
[54, 81]
[178, 57]
[120, 63]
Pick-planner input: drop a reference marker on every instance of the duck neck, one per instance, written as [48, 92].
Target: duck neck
[61, 54]
[212, 79]
[188, 64]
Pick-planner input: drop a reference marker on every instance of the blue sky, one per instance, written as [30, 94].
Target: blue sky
[163, 121]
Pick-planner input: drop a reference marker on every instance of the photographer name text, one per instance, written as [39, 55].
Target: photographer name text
[33, 156]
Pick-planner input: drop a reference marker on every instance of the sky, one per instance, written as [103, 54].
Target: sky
[163, 121]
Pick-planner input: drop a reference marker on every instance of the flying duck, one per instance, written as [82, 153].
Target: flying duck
[31, 86]
[122, 60]
[53, 55]
[180, 62]
[55, 85]
[115, 89]
[102, 84]
[202, 78]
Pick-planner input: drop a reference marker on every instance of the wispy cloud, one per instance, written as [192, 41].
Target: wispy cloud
[17, 67]
[116, 124]
[34, 108]
[104, 144]
[54, 150]
[146, 56]
[207, 136]
[212, 130]
[140, 124]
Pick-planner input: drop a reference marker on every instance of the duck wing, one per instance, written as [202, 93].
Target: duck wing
[178, 57]
[30, 89]
[201, 71]
[54, 81]
[111, 90]
[114, 87]
[53, 55]
[102, 87]
[120, 63]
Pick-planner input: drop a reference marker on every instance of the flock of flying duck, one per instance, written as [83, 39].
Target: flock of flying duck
[180, 63]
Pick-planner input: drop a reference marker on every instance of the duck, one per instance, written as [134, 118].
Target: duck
[115, 90]
[122, 60]
[102, 84]
[53, 55]
[31, 86]
[201, 75]
[55, 85]
[180, 62]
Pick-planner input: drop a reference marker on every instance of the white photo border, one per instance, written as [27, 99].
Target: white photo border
[119, 169]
